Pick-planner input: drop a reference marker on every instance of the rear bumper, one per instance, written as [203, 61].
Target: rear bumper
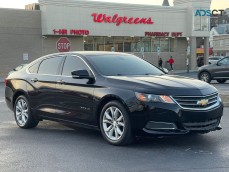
[9, 97]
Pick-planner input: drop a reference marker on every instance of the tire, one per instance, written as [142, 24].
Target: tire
[115, 124]
[221, 81]
[22, 113]
[205, 76]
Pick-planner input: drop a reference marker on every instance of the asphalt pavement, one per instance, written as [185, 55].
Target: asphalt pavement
[54, 147]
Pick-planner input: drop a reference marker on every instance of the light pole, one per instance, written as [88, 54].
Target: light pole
[42, 45]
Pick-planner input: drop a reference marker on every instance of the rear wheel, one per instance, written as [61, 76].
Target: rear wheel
[115, 124]
[205, 76]
[221, 81]
[22, 113]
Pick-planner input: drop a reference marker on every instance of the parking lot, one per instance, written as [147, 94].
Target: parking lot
[54, 147]
[222, 88]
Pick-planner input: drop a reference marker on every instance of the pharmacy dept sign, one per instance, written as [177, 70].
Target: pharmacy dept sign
[63, 45]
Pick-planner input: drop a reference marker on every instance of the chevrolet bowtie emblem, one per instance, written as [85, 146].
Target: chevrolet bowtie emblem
[203, 102]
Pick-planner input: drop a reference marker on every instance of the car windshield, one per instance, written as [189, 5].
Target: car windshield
[121, 64]
[215, 58]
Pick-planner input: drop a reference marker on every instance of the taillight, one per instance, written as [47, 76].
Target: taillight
[6, 82]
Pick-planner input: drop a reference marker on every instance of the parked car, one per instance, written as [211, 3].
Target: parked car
[218, 71]
[17, 68]
[119, 94]
[214, 59]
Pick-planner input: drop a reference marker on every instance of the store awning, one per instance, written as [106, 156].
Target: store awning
[201, 51]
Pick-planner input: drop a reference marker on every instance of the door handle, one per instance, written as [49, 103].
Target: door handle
[34, 80]
[60, 82]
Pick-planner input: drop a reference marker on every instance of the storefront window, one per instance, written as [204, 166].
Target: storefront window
[155, 44]
[146, 43]
[118, 44]
[88, 43]
[99, 44]
[129, 44]
[136, 44]
[173, 44]
[164, 44]
[109, 44]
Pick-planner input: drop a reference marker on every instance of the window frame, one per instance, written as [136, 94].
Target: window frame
[58, 68]
[90, 71]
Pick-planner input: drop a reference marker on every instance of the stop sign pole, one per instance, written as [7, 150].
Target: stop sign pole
[63, 44]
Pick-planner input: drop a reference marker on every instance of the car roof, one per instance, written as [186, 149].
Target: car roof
[80, 53]
[85, 53]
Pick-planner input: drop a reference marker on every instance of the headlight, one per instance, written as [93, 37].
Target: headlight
[219, 99]
[153, 98]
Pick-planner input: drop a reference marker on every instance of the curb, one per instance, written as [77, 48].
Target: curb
[190, 72]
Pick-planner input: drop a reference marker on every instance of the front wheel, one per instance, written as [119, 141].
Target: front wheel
[115, 124]
[205, 76]
[22, 113]
[221, 81]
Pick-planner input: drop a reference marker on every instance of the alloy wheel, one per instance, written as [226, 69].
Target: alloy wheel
[113, 123]
[22, 112]
[205, 77]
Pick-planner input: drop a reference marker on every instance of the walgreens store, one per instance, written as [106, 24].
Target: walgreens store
[144, 30]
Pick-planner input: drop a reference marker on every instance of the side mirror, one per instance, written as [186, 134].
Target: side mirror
[218, 64]
[81, 74]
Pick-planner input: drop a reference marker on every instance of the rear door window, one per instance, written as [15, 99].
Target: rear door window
[50, 66]
[34, 68]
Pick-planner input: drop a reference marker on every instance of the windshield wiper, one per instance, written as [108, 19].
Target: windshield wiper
[149, 74]
[153, 74]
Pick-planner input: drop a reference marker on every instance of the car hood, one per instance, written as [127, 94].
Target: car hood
[207, 66]
[168, 85]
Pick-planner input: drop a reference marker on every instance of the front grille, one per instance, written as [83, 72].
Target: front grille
[197, 102]
[198, 126]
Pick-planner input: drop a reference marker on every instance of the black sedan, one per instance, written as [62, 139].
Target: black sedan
[218, 71]
[120, 94]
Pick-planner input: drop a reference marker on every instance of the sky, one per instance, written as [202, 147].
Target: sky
[216, 4]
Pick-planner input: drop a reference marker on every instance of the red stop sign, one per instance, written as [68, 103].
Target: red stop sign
[63, 45]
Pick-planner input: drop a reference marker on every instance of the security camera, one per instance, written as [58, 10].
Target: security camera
[44, 37]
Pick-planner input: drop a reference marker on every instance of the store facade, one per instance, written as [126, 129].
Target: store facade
[147, 31]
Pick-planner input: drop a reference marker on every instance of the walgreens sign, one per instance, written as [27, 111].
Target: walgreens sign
[118, 20]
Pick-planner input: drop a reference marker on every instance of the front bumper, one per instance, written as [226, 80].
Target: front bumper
[170, 119]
